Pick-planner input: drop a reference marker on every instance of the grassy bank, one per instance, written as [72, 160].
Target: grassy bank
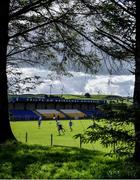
[20, 161]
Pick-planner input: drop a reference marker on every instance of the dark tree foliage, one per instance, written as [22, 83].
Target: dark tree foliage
[114, 130]
[87, 95]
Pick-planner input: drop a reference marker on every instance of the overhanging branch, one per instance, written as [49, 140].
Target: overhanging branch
[116, 40]
[28, 8]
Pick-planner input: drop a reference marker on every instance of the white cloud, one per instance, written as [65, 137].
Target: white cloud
[81, 83]
[116, 84]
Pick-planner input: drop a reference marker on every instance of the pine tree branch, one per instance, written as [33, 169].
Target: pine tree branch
[117, 40]
[28, 8]
[29, 48]
[34, 28]
[123, 8]
[100, 47]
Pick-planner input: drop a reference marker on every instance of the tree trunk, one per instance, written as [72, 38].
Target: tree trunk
[137, 86]
[5, 129]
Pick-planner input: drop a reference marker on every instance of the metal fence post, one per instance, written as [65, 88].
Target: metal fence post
[51, 139]
[80, 142]
[26, 137]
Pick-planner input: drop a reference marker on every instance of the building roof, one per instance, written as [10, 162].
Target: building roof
[25, 99]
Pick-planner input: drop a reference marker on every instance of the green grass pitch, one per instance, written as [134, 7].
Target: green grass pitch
[42, 135]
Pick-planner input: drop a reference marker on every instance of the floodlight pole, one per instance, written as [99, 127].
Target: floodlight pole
[50, 88]
[62, 90]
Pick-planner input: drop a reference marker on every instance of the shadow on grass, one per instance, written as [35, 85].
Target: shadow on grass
[41, 162]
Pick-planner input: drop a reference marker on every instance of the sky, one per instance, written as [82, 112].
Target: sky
[81, 83]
